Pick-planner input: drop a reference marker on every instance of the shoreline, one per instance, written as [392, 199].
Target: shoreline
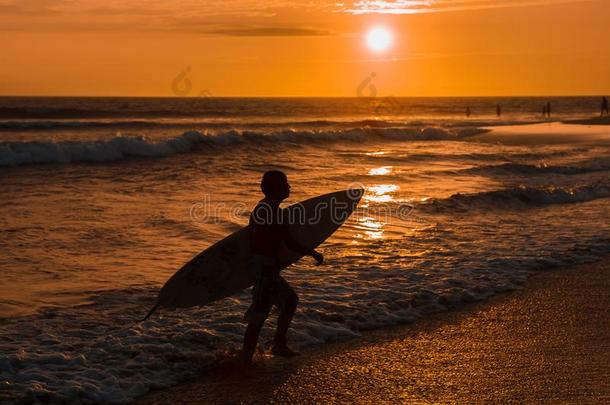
[549, 340]
[592, 132]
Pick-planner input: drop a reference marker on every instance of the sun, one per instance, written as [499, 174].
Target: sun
[379, 39]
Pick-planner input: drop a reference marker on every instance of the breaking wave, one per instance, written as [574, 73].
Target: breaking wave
[122, 147]
[527, 169]
[517, 197]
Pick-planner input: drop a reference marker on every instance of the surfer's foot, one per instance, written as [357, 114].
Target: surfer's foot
[283, 351]
[245, 357]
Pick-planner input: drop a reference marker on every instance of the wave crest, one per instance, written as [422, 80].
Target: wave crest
[518, 196]
[122, 147]
[528, 169]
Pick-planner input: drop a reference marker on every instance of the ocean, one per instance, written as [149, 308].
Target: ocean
[103, 199]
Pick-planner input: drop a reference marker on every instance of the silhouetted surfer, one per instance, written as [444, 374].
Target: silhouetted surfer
[498, 111]
[268, 228]
[604, 106]
[468, 112]
[548, 109]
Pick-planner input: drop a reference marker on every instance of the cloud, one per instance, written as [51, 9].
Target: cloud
[32, 7]
[435, 6]
[269, 31]
[214, 17]
[255, 18]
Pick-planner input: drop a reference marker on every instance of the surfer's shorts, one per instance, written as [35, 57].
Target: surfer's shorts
[269, 289]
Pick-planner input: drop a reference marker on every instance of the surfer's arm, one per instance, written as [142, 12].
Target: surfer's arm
[295, 246]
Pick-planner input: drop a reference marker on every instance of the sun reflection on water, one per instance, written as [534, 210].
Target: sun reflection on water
[378, 153]
[380, 193]
[380, 171]
[372, 228]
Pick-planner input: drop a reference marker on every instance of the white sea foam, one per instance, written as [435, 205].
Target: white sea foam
[517, 197]
[530, 169]
[122, 147]
[96, 353]
[66, 240]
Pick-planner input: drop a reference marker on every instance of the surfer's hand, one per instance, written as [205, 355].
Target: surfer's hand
[318, 257]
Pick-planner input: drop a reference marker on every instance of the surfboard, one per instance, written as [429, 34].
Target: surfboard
[222, 269]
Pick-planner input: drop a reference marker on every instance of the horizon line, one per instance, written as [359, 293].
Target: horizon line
[303, 97]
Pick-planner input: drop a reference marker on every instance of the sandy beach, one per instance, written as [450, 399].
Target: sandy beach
[590, 131]
[548, 342]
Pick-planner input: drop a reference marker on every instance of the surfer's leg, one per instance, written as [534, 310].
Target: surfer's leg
[286, 300]
[258, 311]
[250, 340]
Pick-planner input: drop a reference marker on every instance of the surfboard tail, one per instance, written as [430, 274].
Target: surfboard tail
[152, 311]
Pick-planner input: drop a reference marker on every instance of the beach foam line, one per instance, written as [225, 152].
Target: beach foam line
[122, 147]
[118, 360]
[521, 347]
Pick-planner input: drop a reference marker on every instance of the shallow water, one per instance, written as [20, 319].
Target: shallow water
[93, 224]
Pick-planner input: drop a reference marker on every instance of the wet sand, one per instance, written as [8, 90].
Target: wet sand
[548, 133]
[604, 120]
[548, 342]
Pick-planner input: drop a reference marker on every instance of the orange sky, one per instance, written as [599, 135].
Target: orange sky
[303, 47]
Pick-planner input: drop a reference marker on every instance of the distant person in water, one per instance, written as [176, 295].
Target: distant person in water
[544, 111]
[548, 109]
[498, 111]
[605, 106]
[468, 112]
[268, 228]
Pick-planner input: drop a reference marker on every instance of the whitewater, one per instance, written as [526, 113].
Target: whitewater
[103, 199]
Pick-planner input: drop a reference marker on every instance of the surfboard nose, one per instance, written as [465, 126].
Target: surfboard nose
[355, 193]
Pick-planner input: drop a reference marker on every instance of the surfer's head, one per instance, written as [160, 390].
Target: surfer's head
[275, 185]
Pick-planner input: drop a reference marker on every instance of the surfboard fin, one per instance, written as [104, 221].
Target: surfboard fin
[152, 311]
